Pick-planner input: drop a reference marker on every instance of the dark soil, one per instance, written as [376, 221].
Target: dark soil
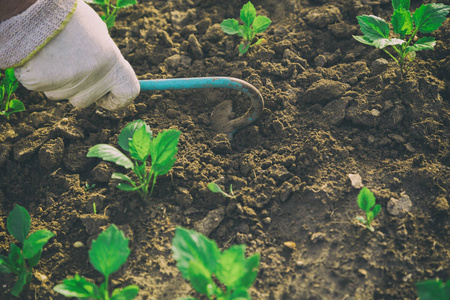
[333, 107]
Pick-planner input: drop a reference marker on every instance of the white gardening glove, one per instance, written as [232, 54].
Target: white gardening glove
[82, 64]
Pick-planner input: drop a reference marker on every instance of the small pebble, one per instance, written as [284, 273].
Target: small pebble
[289, 245]
[78, 244]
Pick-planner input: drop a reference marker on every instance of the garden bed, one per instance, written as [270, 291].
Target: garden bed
[333, 107]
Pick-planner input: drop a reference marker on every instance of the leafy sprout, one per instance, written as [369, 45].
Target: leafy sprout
[8, 85]
[109, 10]
[366, 201]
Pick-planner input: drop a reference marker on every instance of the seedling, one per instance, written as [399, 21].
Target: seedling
[88, 187]
[215, 188]
[110, 11]
[366, 201]
[202, 263]
[20, 261]
[252, 25]
[433, 290]
[426, 19]
[108, 253]
[136, 138]
[8, 86]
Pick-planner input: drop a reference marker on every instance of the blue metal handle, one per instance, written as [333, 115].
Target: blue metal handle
[228, 126]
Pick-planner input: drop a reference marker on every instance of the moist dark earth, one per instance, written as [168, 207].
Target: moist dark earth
[335, 109]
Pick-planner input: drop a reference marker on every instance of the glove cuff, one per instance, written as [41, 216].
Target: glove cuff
[22, 36]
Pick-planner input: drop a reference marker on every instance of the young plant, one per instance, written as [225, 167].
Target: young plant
[110, 11]
[366, 201]
[8, 86]
[136, 138]
[433, 290]
[20, 261]
[202, 263]
[215, 188]
[252, 25]
[426, 19]
[108, 253]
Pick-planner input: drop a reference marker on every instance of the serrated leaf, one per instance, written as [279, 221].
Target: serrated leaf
[382, 43]
[401, 21]
[200, 277]
[126, 135]
[373, 27]
[109, 153]
[35, 242]
[188, 245]
[366, 199]
[248, 13]
[128, 293]
[214, 187]
[77, 287]
[363, 39]
[261, 23]
[230, 26]
[401, 3]
[18, 223]
[140, 144]
[125, 3]
[231, 267]
[109, 251]
[163, 150]
[425, 43]
[251, 270]
[429, 17]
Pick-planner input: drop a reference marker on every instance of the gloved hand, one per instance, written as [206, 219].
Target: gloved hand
[82, 64]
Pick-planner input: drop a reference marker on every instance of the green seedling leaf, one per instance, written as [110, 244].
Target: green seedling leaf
[109, 251]
[16, 259]
[248, 13]
[77, 287]
[251, 271]
[260, 41]
[376, 210]
[109, 153]
[373, 27]
[163, 150]
[230, 26]
[35, 242]
[127, 133]
[382, 43]
[425, 43]
[401, 3]
[363, 39]
[232, 266]
[189, 245]
[15, 106]
[18, 223]
[127, 188]
[261, 23]
[215, 188]
[366, 199]
[402, 22]
[20, 284]
[122, 177]
[125, 3]
[127, 293]
[243, 48]
[34, 260]
[433, 289]
[110, 21]
[201, 278]
[240, 294]
[5, 265]
[429, 17]
[140, 144]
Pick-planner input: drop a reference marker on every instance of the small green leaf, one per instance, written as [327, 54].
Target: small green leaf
[401, 3]
[382, 43]
[215, 188]
[230, 26]
[373, 27]
[433, 289]
[376, 210]
[9, 75]
[363, 39]
[35, 242]
[429, 17]
[4, 265]
[163, 151]
[18, 223]
[248, 13]
[261, 23]
[109, 251]
[125, 3]
[240, 294]
[366, 199]
[140, 144]
[33, 261]
[20, 284]
[128, 293]
[15, 106]
[369, 216]
[243, 48]
[109, 153]
[361, 219]
[231, 267]
[16, 259]
[126, 135]
[200, 278]
[188, 245]
[122, 177]
[425, 43]
[260, 41]
[401, 21]
[127, 188]
[77, 287]
[110, 21]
